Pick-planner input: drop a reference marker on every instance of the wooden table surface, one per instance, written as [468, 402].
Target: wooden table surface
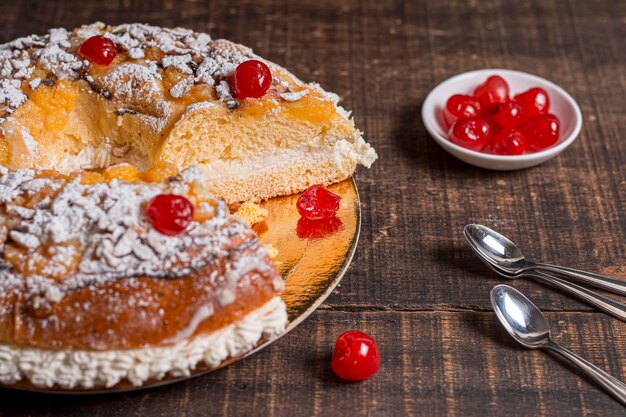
[413, 284]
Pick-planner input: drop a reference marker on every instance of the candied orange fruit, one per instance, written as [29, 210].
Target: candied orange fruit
[52, 174]
[256, 107]
[310, 109]
[121, 172]
[56, 102]
[37, 263]
[91, 178]
[160, 172]
[5, 152]
[204, 211]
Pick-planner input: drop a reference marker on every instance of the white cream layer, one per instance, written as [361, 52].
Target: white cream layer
[345, 154]
[69, 369]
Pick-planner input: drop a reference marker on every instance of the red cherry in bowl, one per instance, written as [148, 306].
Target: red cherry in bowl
[508, 114]
[533, 102]
[252, 79]
[473, 133]
[356, 356]
[541, 131]
[460, 106]
[508, 141]
[494, 90]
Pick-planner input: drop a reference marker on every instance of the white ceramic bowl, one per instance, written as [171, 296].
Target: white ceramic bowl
[561, 104]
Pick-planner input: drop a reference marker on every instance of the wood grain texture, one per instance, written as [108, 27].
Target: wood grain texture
[413, 284]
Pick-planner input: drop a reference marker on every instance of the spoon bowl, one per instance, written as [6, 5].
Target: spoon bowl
[520, 317]
[496, 249]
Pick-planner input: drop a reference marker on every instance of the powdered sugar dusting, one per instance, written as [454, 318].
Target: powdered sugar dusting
[105, 227]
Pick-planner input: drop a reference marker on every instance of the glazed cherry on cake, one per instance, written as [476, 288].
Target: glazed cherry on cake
[356, 356]
[491, 121]
[99, 50]
[170, 214]
[252, 78]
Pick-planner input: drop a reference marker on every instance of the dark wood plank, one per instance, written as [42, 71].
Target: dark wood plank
[435, 363]
[413, 283]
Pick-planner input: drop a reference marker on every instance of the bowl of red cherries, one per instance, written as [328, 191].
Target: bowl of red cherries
[501, 119]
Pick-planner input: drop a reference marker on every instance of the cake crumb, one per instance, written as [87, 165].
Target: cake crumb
[251, 213]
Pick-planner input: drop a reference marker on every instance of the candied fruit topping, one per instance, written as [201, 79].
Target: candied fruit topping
[121, 172]
[170, 214]
[204, 211]
[318, 203]
[91, 178]
[99, 50]
[252, 79]
[5, 152]
[161, 171]
[53, 105]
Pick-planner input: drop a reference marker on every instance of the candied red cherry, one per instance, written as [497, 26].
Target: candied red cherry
[473, 133]
[318, 229]
[534, 101]
[99, 50]
[508, 114]
[494, 90]
[170, 214]
[541, 131]
[252, 79]
[459, 106]
[318, 203]
[508, 141]
[356, 356]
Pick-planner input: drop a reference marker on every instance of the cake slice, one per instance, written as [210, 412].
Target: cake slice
[168, 95]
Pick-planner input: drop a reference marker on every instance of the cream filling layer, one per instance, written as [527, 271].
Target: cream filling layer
[70, 369]
[345, 154]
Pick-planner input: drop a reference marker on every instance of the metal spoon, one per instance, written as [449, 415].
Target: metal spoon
[599, 301]
[506, 256]
[528, 326]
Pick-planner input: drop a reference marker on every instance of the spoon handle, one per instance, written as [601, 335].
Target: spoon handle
[615, 285]
[606, 304]
[613, 385]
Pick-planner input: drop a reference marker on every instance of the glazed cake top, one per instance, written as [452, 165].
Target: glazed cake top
[145, 52]
[57, 234]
